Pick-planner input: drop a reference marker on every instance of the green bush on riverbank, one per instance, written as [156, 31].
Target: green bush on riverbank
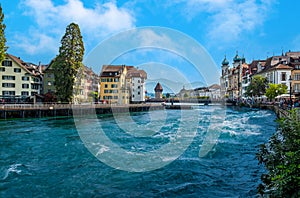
[281, 157]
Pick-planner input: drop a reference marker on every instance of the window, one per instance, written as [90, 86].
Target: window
[283, 76]
[8, 93]
[139, 93]
[132, 96]
[139, 81]
[33, 93]
[8, 77]
[2, 69]
[110, 91]
[297, 87]
[105, 86]
[17, 70]
[297, 66]
[25, 93]
[8, 84]
[114, 86]
[7, 63]
[33, 86]
[107, 97]
[139, 87]
[103, 79]
[116, 97]
[116, 80]
[297, 76]
[25, 86]
[25, 78]
[36, 80]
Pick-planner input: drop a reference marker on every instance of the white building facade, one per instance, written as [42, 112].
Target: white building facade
[19, 80]
[135, 80]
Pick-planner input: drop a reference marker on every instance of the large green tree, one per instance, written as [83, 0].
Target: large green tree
[68, 63]
[2, 36]
[281, 157]
[275, 90]
[257, 86]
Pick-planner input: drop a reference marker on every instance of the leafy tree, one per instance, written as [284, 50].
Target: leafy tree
[275, 90]
[257, 86]
[68, 64]
[281, 157]
[3, 48]
[94, 95]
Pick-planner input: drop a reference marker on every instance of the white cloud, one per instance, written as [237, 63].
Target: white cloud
[51, 21]
[39, 43]
[151, 38]
[228, 19]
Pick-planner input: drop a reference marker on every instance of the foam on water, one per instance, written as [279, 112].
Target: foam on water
[59, 165]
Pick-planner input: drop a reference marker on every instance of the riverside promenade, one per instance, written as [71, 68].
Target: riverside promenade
[8, 111]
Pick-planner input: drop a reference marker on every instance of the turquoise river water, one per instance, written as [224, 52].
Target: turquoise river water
[47, 157]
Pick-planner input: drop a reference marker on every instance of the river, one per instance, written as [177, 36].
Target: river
[50, 157]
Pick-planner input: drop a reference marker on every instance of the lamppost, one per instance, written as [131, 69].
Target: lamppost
[290, 80]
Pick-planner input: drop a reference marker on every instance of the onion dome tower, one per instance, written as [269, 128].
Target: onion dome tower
[237, 58]
[225, 66]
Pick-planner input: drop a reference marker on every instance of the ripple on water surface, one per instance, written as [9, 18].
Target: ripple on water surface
[46, 158]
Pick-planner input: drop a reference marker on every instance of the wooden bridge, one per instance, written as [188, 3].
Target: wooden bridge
[53, 110]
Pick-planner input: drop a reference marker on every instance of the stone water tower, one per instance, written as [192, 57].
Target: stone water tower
[158, 91]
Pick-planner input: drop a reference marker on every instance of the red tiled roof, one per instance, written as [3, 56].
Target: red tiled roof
[136, 73]
[22, 64]
[282, 66]
[106, 69]
[215, 86]
[158, 87]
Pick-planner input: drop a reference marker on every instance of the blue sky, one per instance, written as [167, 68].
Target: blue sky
[256, 28]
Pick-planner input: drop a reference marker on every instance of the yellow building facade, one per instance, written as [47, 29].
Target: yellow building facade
[113, 88]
